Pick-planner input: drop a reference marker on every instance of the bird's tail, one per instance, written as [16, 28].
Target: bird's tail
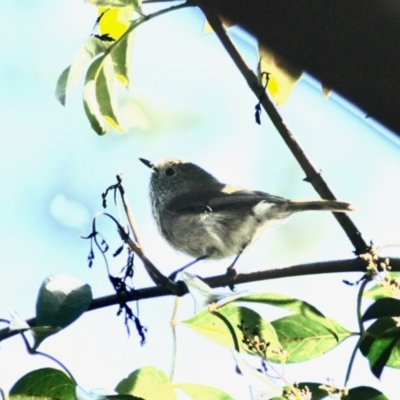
[318, 205]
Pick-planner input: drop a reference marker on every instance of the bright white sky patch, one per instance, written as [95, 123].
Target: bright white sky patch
[69, 212]
[132, 116]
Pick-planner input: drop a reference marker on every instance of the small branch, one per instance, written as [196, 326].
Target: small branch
[156, 276]
[312, 175]
[325, 267]
[360, 294]
[129, 216]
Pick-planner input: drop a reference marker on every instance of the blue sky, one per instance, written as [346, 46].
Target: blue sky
[187, 100]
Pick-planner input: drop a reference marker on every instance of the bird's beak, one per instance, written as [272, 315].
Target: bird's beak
[149, 164]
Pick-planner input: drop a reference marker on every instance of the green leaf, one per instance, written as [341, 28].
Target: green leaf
[48, 383]
[99, 97]
[384, 347]
[149, 383]
[385, 307]
[61, 300]
[288, 303]
[292, 304]
[364, 393]
[68, 78]
[379, 292]
[121, 56]
[201, 392]
[304, 339]
[213, 328]
[374, 331]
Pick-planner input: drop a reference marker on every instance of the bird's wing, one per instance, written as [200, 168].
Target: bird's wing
[228, 198]
[243, 197]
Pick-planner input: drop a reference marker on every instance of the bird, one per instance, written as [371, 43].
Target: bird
[207, 219]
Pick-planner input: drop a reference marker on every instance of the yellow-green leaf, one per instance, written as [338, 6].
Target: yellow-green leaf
[213, 328]
[68, 78]
[99, 97]
[149, 383]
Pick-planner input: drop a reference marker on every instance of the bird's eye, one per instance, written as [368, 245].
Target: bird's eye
[170, 172]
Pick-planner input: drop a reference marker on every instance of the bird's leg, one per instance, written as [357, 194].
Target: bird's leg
[175, 273]
[231, 271]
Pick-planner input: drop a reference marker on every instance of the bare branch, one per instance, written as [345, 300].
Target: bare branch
[325, 267]
[312, 175]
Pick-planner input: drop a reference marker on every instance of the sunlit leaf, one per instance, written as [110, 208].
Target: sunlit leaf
[49, 383]
[99, 97]
[304, 339]
[105, 93]
[121, 55]
[149, 383]
[201, 392]
[292, 304]
[283, 75]
[91, 48]
[115, 22]
[213, 328]
[288, 303]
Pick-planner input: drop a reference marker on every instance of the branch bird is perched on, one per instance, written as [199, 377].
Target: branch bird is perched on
[202, 217]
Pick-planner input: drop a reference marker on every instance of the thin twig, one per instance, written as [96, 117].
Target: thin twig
[312, 175]
[129, 216]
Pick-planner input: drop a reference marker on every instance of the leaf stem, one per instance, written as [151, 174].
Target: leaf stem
[361, 328]
[174, 339]
[39, 353]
